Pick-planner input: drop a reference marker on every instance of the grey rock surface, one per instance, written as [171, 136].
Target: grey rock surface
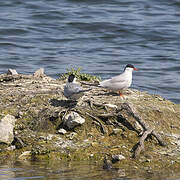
[73, 119]
[12, 72]
[6, 129]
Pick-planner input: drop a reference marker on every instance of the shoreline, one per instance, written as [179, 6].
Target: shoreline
[142, 128]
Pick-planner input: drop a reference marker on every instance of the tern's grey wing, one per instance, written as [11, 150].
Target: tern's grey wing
[73, 91]
[119, 79]
[116, 79]
[72, 88]
[76, 88]
[118, 82]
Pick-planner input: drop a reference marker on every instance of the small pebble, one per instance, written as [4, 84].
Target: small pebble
[62, 131]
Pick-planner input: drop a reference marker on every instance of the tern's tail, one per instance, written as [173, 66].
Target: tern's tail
[91, 84]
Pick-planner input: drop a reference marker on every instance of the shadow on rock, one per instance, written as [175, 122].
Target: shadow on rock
[63, 103]
[107, 94]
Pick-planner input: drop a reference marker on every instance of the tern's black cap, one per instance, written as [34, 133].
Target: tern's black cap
[71, 78]
[130, 66]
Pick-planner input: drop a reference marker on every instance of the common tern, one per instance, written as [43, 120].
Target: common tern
[72, 90]
[120, 82]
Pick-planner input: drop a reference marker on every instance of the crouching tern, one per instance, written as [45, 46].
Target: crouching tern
[72, 90]
[120, 82]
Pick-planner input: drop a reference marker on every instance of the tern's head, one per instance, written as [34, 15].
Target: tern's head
[71, 78]
[130, 67]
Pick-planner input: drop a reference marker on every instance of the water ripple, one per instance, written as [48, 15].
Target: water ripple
[100, 36]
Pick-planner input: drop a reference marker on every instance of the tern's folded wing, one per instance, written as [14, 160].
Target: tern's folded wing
[74, 88]
[118, 79]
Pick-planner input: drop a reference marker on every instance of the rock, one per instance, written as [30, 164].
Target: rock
[6, 129]
[62, 131]
[111, 105]
[73, 119]
[117, 157]
[12, 72]
[39, 73]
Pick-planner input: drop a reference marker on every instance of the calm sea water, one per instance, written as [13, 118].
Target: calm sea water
[22, 170]
[101, 36]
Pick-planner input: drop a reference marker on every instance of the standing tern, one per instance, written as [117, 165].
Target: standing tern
[72, 90]
[120, 82]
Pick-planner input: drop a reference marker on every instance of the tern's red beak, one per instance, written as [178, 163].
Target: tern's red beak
[136, 69]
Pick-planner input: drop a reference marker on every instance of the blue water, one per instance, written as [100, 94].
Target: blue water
[101, 36]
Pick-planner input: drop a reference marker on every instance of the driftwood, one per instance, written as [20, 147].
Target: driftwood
[146, 128]
[140, 144]
[99, 123]
[147, 131]
[133, 113]
[158, 137]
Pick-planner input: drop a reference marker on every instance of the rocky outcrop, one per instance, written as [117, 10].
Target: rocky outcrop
[140, 130]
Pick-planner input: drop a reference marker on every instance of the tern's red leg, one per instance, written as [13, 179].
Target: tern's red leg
[120, 94]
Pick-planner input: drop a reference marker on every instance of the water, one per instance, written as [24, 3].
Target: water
[22, 170]
[101, 36]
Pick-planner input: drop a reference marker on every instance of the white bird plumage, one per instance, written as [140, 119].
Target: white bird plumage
[120, 82]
